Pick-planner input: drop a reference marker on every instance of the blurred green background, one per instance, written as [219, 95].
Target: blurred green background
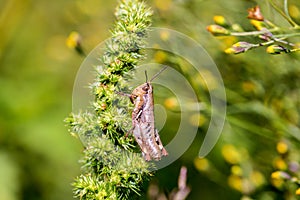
[39, 159]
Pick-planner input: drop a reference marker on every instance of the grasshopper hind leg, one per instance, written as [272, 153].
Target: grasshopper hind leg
[138, 138]
[159, 143]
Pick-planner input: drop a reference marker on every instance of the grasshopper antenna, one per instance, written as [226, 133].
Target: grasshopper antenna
[158, 73]
[146, 76]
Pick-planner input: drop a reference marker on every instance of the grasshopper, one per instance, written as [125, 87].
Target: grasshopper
[144, 131]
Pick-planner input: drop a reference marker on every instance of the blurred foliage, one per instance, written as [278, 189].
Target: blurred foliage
[38, 159]
[257, 156]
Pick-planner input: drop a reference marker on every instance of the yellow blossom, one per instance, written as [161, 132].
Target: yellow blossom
[197, 119]
[280, 164]
[202, 164]
[236, 170]
[73, 40]
[235, 182]
[280, 175]
[164, 35]
[171, 103]
[259, 25]
[257, 178]
[217, 30]
[220, 20]
[294, 11]
[160, 56]
[231, 154]
[276, 49]
[282, 147]
[248, 86]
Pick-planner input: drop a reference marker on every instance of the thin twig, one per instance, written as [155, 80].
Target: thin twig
[253, 32]
[283, 14]
[285, 8]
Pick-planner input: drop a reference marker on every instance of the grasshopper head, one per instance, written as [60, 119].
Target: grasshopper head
[139, 91]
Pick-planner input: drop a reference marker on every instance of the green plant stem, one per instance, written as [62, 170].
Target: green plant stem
[285, 8]
[270, 23]
[282, 40]
[275, 29]
[253, 33]
[276, 38]
[288, 35]
[283, 14]
[294, 50]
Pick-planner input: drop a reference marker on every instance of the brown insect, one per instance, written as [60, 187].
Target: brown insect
[144, 131]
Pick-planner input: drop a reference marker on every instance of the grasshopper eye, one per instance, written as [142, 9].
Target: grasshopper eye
[146, 88]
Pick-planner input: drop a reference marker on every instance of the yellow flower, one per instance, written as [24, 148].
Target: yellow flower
[197, 119]
[294, 11]
[160, 56]
[202, 164]
[236, 170]
[258, 24]
[171, 103]
[239, 47]
[220, 20]
[278, 183]
[280, 164]
[282, 147]
[164, 35]
[231, 154]
[237, 28]
[280, 175]
[217, 30]
[235, 182]
[73, 40]
[278, 178]
[276, 49]
[248, 86]
[257, 178]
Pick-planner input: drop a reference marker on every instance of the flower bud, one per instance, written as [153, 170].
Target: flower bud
[276, 49]
[237, 28]
[280, 175]
[73, 39]
[202, 164]
[74, 42]
[220, 20]
[217, 30]
[254, 13]
[258, 25]
[239, 47]
[282, 147]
